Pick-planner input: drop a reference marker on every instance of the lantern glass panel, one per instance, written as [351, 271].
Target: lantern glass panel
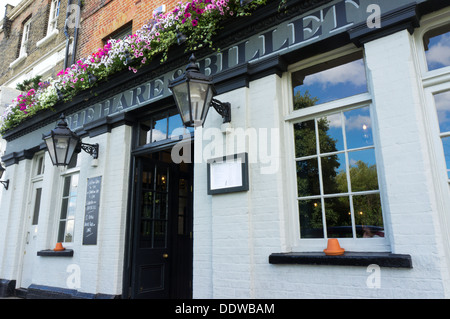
[199, 94]
[51, 148]
[61, 148]
[181, 95]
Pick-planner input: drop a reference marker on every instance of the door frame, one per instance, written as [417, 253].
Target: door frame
[127, 289]
[26, 268]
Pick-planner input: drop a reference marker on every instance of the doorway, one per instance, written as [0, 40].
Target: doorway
[162, 223]
[29, 254]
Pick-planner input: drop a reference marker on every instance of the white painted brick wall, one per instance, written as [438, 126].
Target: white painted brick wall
[231, 253]
[100, 266]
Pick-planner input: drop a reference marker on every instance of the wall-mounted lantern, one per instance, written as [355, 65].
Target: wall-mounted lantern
[62, 143]
[193, 93]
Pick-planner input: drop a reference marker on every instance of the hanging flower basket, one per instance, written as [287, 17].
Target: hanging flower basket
[192, 23]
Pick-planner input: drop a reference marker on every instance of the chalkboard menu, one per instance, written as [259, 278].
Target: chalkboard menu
[93, 191]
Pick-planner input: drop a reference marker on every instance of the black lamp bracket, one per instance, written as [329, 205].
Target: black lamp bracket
[91, 149]
[5, 184]
[223, 108]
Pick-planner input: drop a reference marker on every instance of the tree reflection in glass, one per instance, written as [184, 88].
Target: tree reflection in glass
[336, 174]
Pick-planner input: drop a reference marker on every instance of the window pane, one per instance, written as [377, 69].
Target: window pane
[363, 170]
[161, 179]
[66, 186]
[176, 127]
[368, 216]
[160, 230]
[40, 166]
[37, 205]
[437, 48]
[329, 81]
[442, 102]
[68, 208]
[68, 238]
[446, 144]
[160, 206]
[305, 139]
[64, 206]
[71, 207]
[159, 131]
[358, 128]
[339, 219]
[330, 133]
[311, 225]
[334, 175]
[308, 178]
[74, 185]
[62, 228]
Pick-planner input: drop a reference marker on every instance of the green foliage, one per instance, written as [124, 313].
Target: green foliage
[29, 84]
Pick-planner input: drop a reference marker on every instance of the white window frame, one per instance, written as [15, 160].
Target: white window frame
[69, 172]
[53, 16]
[38, 167]
[25, 39]
[435, 82]
[293, 240]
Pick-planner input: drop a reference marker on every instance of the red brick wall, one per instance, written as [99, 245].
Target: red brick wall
[100, 18]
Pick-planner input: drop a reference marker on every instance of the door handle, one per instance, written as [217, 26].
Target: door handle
[165, 255]
[28, 238]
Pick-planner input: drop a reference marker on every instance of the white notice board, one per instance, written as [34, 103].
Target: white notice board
[228, 174]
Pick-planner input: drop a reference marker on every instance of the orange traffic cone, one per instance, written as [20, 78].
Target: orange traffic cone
[58, 247]
[333, 248]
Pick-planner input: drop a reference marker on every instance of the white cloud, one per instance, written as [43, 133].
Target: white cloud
[440, 53]
[352, 72]
[157, 135]
[442, 102]
[359, 122]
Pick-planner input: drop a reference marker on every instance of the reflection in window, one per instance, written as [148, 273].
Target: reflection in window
[68, 208]
[329, 81]
[337, 177]
[442, 103]
[437, 48]
[162, 126]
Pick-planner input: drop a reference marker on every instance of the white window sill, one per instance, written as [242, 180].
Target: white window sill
[47, 38]
[18, 60]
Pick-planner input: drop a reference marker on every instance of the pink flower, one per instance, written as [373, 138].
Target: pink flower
[194, 23]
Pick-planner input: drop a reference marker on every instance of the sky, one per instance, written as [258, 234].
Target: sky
[3, 3]
[438, 54]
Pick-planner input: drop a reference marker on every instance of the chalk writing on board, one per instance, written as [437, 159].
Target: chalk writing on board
[93, 191]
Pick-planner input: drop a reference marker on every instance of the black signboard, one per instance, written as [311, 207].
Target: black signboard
[93, 191]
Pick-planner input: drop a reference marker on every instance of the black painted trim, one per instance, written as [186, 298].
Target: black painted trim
[52, 253]
[105, 125]
[15, 157]
[7, 287]
[406, 17]
[47, 292]
[348, 259]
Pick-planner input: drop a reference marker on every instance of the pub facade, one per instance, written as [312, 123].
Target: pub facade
[337, 129]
